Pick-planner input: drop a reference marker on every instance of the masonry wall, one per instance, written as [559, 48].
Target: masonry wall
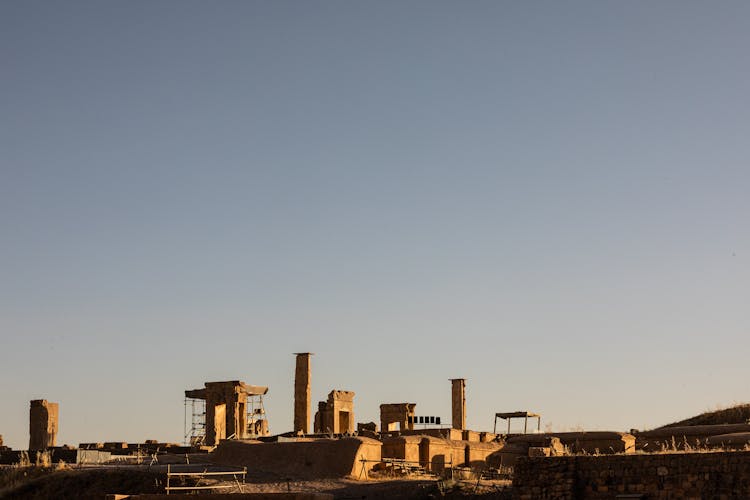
[434, 453]
[477, 453]
[445, 433]
[303, 459]
[595, 443]
[656, 476]
[402, 447]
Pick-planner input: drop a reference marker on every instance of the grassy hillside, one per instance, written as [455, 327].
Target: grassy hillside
[739, 414]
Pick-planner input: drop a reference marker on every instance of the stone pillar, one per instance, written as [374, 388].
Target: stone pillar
[226, 406]
[218, 429]
[42, 424]
[211, 425]
[458, 400]
[302, 393]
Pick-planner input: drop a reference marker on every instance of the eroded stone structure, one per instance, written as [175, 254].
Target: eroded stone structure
[307, 458]
[43, 417]
[397, 416]
[302, 397]
[436, 453]
[367, 427]
[458, 403]
[226, 409]
[337, 414]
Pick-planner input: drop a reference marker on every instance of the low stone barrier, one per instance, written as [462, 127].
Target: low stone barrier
[655, 476]
[305, 459]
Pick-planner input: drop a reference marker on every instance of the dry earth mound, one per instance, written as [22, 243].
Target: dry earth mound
[82, 484]
[739, 414]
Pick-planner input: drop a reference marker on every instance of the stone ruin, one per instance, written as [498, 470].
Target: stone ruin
[43, 417]
[397, 416]
[299, 453]
[228, 418]
[336, 415]
[458, 403]
[302, 397]
[226, 410]
[238, 440]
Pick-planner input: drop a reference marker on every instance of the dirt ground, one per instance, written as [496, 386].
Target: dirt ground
[44, 483]
[93, 483]
[388, 488]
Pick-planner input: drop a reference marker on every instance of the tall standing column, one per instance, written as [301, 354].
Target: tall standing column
[458, 400]
[302, 393]
[42, 424]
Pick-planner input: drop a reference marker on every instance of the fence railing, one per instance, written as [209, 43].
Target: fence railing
[401, 466]
[201, 476]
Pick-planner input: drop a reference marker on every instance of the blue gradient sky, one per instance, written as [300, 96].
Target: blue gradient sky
[549, 199]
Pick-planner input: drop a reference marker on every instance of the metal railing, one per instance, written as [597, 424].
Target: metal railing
[236, 475]
[401, 466]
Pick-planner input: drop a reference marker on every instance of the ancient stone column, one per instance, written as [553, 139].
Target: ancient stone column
[42, 424]
[302, 393]
[458, 400]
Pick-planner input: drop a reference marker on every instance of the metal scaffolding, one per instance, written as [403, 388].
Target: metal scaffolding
[195, 421]
[257, 423]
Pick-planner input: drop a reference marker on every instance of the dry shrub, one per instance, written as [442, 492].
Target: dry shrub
[43, 458]
[23, 459]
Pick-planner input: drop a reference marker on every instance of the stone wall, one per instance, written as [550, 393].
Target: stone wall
[443, 432]
[302, 459]
[561, 443]
[593, 443]
[435, 454]
[655, 476]
[58, 454]
[402, 447]
[476, 454]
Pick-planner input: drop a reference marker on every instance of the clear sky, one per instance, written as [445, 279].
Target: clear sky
[550, 199]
